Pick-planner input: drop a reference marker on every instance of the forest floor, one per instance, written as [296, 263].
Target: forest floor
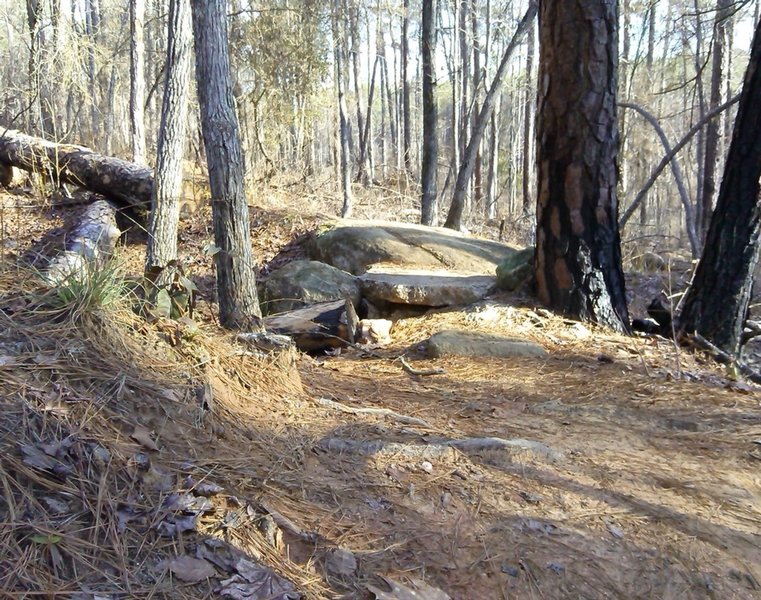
[636, 471]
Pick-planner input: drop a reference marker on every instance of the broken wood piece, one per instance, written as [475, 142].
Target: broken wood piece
[722, 357]
[112, 177]
[88, 246]
[317, 327]
[424, 372]
[384, 412]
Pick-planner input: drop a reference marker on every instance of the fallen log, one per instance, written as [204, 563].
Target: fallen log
[114, 178]
[88, 245]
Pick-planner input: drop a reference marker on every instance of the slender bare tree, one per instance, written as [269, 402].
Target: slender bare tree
[137, 80]
[167, 181]
[429, 165]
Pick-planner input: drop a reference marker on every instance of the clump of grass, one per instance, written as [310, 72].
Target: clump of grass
[93, 288]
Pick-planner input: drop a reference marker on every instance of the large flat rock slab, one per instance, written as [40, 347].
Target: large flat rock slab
[424, 288]
[356, 246]
[466, 343]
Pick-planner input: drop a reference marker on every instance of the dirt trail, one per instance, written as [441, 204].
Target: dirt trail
[656, 494]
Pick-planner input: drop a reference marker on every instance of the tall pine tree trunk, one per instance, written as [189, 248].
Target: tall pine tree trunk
[528, 127]
[137, 80]
[578, 256]
[406, 117]
[236, 280]
[714, 127]
[343, 121]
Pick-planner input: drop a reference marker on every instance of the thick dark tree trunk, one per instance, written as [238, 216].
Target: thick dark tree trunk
[167, 189]
[236, 283]
[716, 305]
[468, 161]
[578, 257]
[429, 202]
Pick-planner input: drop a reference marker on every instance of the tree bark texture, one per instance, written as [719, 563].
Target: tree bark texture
[716, 304]
[236, 282]
[114, 178]
[578, 257]
[468, 160]
[167, 187]
[137, 80]
[429, 203]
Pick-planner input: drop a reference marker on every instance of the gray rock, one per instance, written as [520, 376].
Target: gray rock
[357, 246]
[302, 283]
[513, 272]
[463, 343]
[424, 288]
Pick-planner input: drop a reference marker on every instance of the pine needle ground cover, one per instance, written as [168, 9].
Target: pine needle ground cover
[165, 460]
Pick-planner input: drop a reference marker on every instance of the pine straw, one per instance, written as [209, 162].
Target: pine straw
[73, 388]
[656, 450]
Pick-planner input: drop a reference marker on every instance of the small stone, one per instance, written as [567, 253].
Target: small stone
[511, 570]
[426, 466]
[557, 568]
[531, 498]
[446, 499]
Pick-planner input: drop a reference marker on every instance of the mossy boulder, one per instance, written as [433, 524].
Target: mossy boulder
[303, 282]
[515, 270]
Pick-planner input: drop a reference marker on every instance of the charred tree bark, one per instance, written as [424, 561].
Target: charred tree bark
[236, 282]
[114, 178]
[578, 256]
[429, 204]
[716, 305]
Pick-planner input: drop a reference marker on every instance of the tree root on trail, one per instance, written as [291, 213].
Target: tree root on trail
[436, 449]
[384, 412]
[722, 357]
